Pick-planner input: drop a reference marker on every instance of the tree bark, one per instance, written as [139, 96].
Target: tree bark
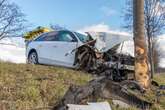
[141, 60]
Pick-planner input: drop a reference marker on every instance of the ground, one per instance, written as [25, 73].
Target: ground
[26, 87]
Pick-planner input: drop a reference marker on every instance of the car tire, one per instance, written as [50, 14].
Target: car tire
[33, 58]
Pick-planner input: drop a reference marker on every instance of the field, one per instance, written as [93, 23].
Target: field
[29, 87]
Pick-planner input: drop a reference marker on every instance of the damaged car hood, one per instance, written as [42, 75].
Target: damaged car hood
[106, 41]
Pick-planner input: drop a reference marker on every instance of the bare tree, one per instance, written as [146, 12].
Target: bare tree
[154, 11]
[11, 19]
[156, 54]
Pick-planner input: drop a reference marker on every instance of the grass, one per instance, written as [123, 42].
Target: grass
[29, 87]
[23, 87]
[160, 78]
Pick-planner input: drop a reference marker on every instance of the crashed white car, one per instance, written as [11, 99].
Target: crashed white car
[55, 48]
[58, 47]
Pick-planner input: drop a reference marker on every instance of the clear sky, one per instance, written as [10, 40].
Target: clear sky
[73, 14]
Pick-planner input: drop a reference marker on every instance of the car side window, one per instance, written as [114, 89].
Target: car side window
[41, 37]
[66, 36]
[51, 36]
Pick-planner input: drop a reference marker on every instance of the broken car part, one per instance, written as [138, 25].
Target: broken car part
[101, 88]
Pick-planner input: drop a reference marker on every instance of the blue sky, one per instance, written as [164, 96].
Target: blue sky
[73, 14]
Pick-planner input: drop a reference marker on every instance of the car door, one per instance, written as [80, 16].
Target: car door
[46, 45]
[63, 46]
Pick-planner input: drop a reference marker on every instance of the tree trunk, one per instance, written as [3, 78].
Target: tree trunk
[150, 53]
[141, 60]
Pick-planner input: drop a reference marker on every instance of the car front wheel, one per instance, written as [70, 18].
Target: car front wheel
[33, 58]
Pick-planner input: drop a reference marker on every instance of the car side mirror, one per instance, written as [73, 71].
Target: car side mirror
[74, 40]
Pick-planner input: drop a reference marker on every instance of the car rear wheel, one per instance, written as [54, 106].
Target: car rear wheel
[33, 58]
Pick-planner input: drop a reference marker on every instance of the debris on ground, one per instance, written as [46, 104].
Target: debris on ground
[90, 106]
[160, 92]
[105, 89]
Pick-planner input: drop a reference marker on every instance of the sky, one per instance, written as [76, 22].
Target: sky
[73, 14]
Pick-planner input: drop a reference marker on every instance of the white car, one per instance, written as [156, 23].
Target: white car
[55, 48]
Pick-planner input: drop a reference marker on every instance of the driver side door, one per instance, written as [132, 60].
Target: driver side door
[62, 53]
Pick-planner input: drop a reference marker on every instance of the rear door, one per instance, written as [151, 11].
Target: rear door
[45, 47]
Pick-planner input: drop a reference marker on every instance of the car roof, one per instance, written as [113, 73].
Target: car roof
[53, 32]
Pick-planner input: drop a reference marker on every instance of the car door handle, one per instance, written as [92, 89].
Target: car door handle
[55, 46]
[40, 45]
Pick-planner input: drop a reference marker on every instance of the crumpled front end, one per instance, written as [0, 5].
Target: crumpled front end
[116, 66]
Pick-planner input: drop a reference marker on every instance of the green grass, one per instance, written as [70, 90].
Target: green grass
[28, 87]
[160, 78]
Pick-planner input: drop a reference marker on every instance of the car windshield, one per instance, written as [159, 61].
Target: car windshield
[83, 38]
